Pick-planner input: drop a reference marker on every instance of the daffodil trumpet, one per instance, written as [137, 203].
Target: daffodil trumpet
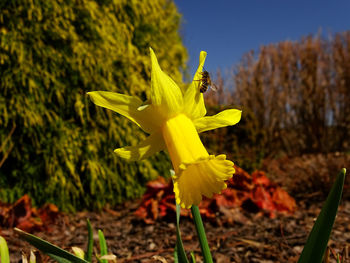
[173, 120]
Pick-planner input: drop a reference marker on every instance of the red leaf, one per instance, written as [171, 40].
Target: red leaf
[21, 214]
[254, 193]
[263, 199]
[259, 178]
[284, 202]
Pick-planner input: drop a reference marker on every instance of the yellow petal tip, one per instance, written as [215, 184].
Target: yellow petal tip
[153, 57]
[202, 55]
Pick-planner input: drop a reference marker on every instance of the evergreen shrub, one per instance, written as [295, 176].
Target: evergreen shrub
[56, 144]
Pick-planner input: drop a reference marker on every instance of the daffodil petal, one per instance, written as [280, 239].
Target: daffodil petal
[128, 106]
[151, 145]
[165, 94]
[203, 177]
[222, 119]
[193, 98]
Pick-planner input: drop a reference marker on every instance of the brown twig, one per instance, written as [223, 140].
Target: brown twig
[6, 155]
[8, 137]
[4, 143]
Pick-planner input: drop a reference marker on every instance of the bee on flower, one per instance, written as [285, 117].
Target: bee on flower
[205, 82]
[173, 121]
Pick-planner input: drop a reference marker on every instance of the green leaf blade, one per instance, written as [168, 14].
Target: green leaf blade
[318, 238]
[4, 251]
[103, 245]
[179, 253]
[88, 255]
[51, 250]
[193, 258]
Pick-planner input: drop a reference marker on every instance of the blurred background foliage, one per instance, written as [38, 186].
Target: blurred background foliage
[58, 146]
[55, 144]
[295, 100]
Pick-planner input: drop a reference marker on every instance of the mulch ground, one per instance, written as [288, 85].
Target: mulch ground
[235, 235]
[249, 238]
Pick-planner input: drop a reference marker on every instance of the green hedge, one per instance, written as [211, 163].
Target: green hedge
[55, 144]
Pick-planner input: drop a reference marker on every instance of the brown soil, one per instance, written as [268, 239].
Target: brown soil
[250, 238]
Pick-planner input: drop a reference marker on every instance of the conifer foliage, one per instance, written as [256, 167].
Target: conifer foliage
[55, 144]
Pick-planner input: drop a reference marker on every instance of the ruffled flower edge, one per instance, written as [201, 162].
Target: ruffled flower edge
[205, 177]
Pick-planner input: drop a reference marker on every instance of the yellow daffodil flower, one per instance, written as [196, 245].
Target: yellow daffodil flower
[173, 120]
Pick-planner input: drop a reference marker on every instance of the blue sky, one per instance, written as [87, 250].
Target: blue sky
[226, 29]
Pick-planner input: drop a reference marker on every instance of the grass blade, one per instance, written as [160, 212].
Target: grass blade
[318, 238]
[88, 255]
[103, 245]
[179, 254]
[193, 258]
[51, 250]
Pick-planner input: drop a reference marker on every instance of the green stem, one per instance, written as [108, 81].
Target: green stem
[201, 234]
